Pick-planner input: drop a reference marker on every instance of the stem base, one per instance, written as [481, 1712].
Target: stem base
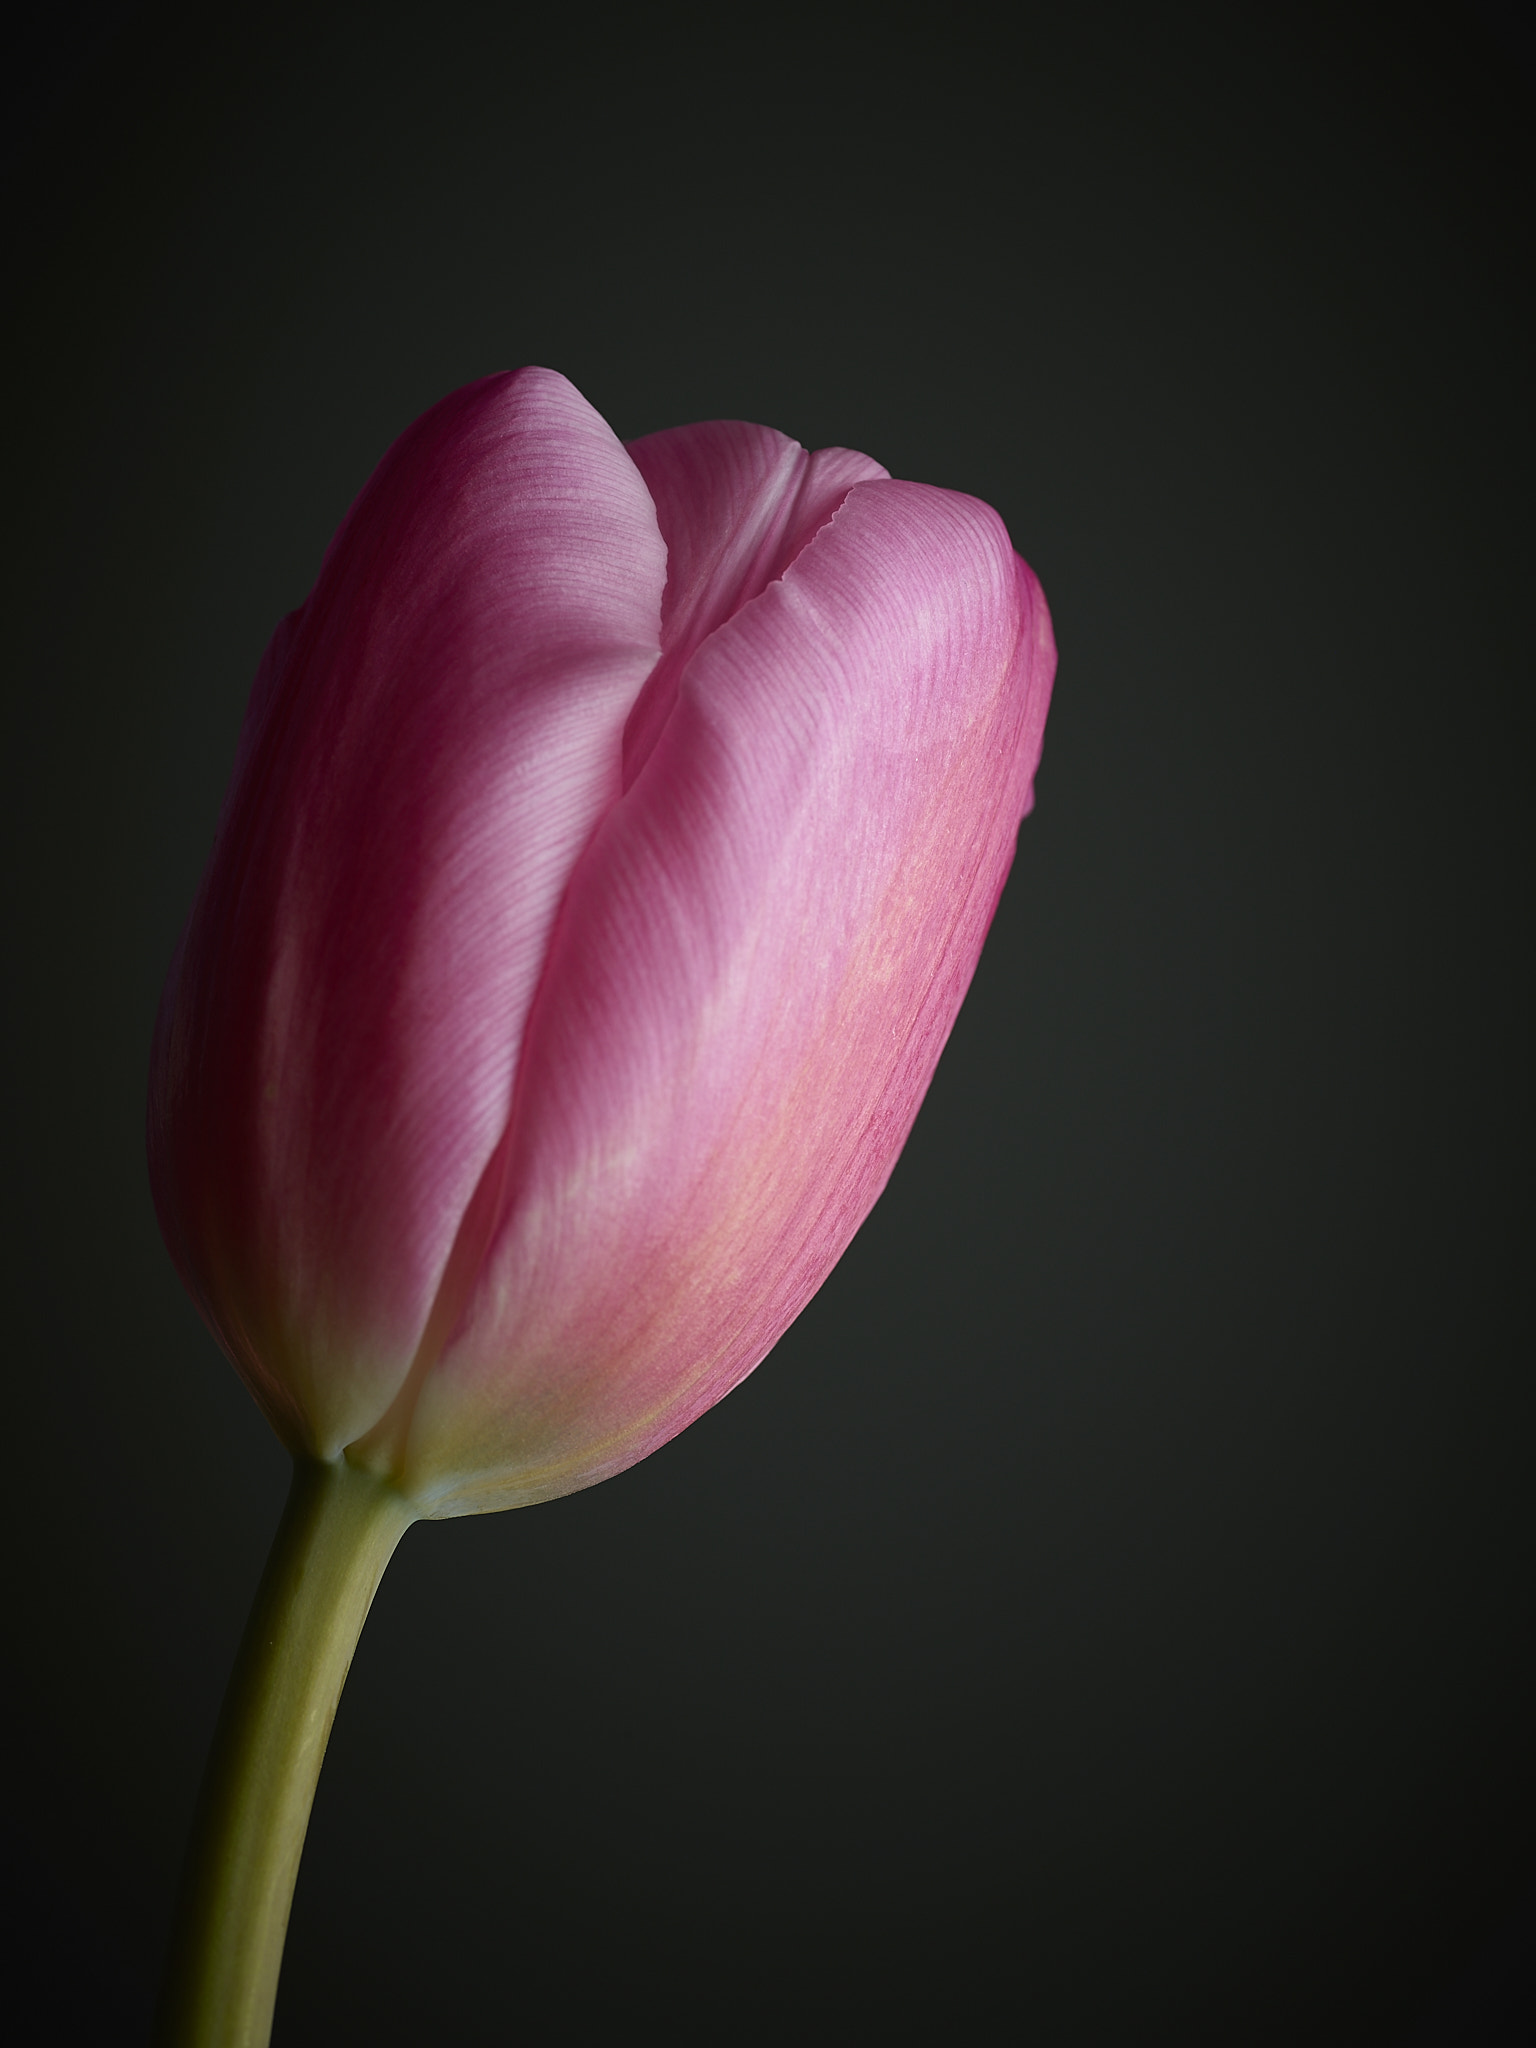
[338, 1532]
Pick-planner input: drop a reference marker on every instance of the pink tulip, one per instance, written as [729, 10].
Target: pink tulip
[611, 842]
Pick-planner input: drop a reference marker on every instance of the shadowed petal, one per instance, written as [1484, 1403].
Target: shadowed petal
[430, 744]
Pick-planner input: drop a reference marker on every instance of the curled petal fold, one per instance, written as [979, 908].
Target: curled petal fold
[736, 504]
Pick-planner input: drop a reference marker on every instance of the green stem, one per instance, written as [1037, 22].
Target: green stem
[338, 1532]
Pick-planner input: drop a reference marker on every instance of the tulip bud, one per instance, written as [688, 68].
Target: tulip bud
[611, 841]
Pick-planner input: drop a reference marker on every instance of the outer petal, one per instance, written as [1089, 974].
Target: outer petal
[429, 747]
[760, 959]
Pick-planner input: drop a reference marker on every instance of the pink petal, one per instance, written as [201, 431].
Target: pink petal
[428, 748]
[736, 504]
[759, 962]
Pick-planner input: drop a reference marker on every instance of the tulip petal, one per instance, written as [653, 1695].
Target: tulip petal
[736, 504]
[760, 958]
[429, 747]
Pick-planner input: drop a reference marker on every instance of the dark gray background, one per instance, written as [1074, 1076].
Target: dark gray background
[1107, 1616]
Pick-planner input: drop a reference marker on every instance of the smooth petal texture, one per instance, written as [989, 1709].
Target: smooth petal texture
[760, 958]
[429, 746]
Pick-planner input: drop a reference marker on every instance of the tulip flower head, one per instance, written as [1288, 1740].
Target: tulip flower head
[612, 838]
